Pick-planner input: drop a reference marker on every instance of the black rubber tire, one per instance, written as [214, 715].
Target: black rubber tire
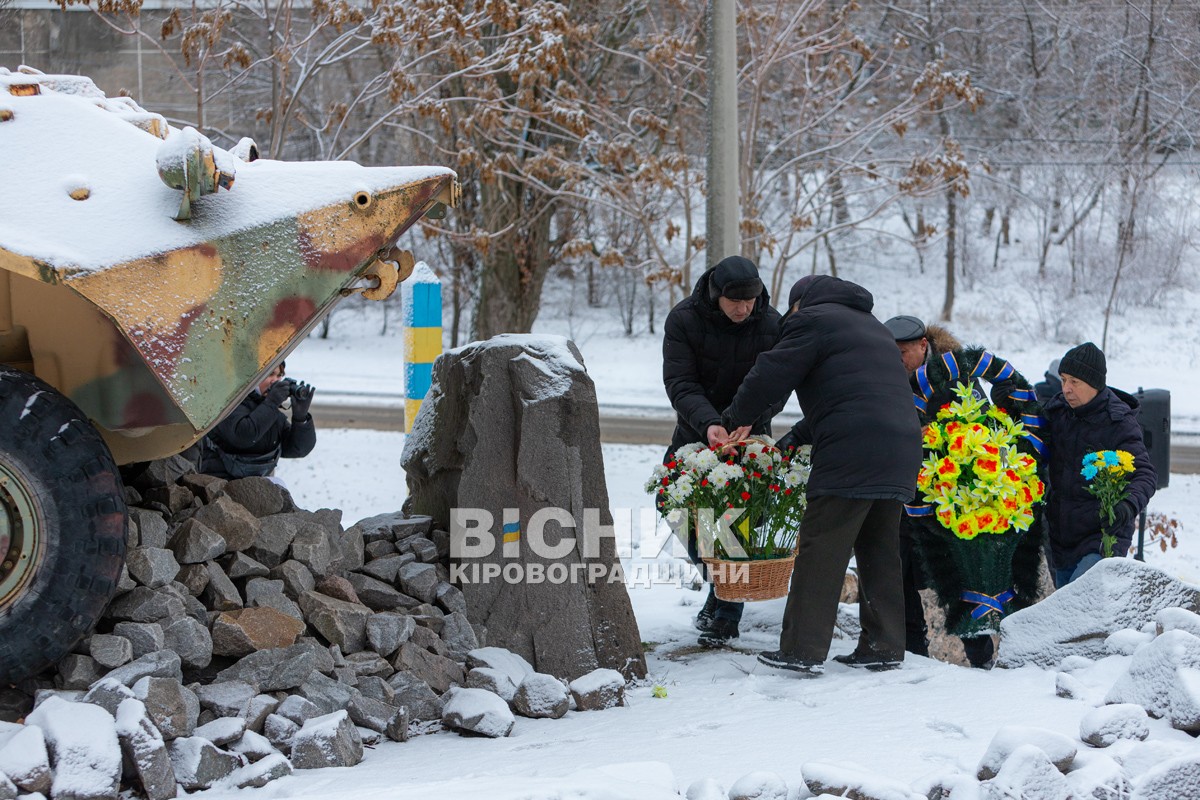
[78, 504]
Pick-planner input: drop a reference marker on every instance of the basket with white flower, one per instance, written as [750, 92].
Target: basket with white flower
[744, 502]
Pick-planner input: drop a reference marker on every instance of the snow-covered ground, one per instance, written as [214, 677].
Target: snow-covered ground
[723, 715]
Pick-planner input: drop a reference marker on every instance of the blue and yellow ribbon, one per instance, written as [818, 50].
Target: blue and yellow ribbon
[986, 604]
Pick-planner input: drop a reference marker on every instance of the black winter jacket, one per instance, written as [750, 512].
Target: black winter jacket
[705, 358]
[1108, 422]
[256, 428]
[858, 409]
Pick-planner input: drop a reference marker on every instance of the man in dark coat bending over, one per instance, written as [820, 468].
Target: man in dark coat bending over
[710, 341]
[861, 423]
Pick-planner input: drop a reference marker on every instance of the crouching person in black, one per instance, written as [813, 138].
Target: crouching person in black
[251, 440]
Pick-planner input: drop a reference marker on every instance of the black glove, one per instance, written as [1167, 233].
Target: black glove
[302, 395]
[1123, 514]
[280, 390]
[788, 440]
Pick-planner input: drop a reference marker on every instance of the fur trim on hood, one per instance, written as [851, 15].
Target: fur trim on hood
[940, 339]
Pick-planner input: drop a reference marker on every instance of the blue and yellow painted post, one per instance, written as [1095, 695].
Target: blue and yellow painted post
[421, 296]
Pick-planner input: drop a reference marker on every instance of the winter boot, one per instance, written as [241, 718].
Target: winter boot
[721, 631]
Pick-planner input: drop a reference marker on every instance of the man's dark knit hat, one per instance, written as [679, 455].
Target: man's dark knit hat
[905, 328]
[736, 278]
[1085, 362]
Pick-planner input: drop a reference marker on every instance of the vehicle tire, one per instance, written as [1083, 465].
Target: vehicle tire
[62, 525]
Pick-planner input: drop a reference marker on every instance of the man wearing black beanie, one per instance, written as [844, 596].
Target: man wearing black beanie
[1087, 416]
[710, 341]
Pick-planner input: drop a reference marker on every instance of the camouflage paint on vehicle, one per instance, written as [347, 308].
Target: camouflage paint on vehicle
[157, 342]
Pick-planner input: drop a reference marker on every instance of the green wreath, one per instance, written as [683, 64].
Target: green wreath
[979, 581]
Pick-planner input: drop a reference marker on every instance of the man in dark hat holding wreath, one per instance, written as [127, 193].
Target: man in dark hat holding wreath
[1087, 416]
[710, 341]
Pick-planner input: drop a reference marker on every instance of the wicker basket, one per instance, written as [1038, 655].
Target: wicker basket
[747, 581]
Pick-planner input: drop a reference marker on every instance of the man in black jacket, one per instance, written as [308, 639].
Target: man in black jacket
[866, 452]
[710, 341]
[1087, 416]
[253, 437]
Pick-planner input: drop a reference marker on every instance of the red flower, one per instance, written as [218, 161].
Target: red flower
[758, 474]
[745, 495]
[753, 455]
[666, 481]
[787, 491]
[774, 487]
[704, 482]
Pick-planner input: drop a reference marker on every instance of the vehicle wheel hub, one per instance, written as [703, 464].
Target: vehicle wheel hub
[19, 534]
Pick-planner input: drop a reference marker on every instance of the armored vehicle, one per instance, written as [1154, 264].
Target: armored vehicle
[148, 280]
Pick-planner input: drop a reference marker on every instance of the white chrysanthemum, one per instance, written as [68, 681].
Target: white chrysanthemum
[756, 447]
[793, 478]
[687, 450]
[702, 460]
[680, 491]
[656, 475]
[723, 473]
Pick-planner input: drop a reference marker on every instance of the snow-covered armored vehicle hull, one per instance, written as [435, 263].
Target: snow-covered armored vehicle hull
[148, 281]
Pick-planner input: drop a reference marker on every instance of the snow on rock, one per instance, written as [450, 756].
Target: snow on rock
[1177, 619]
[1137, 758]
[1070, 687]
[145, 751]
[497, 658]
[1102, 726]
[844, 780]
[1059, 749]
[599, 689]
[477, 711]
[759, 786]
[222, 731]
[1072, 664]
[949, 783]
[1099, 777]
[331, 740]
[1077, 619]
[1027, 773]
[260, 773]
[84, 754]
[253, 746]
[492, 680]
[541, 696]
[1126, 642]
[1178, 779]
[199, 763]
[8, 789]
[173, 707]
[706, 789]
[23, 758]
[1164, 679]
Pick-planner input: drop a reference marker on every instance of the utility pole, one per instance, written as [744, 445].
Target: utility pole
[721, 210]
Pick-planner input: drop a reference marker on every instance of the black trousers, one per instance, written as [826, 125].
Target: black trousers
[833, 529]
[916, 633]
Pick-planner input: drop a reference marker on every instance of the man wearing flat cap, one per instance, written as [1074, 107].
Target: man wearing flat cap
[920, 344]
[710, 341]
[1087, 416]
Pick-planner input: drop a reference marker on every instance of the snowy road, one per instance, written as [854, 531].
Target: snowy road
[622, 425]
